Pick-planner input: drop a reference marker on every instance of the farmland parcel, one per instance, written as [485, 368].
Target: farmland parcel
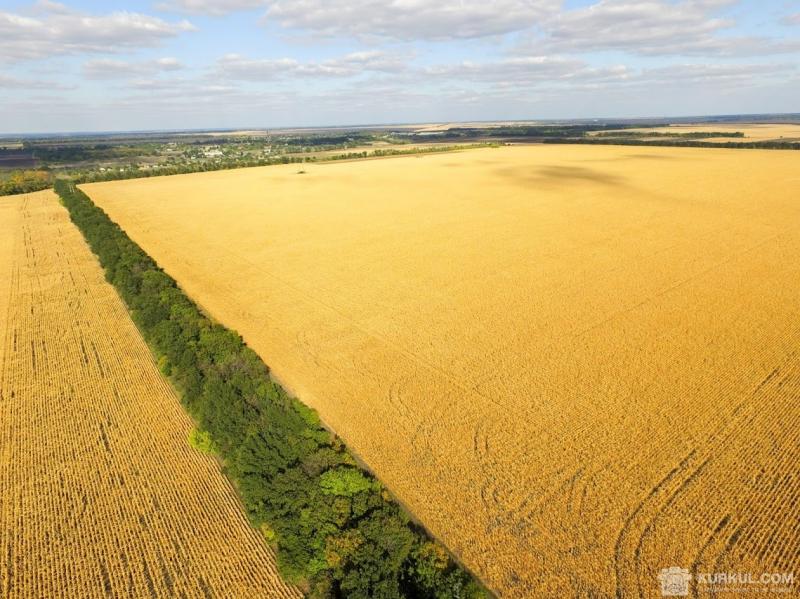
[576, 365]
[100, 493]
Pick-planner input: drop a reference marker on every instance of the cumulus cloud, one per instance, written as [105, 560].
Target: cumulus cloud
[519, 70]
[215, 8]
[559, 61]
[520, 77]
[107, 68]
[53, 29]
[644, 27]
[652, 27]
[513, 73]
[410, 19]
[9, 82]
[397, 19]
[717, 73]
[507, 81]
[236, 67]
[180, 88]
[565, 74]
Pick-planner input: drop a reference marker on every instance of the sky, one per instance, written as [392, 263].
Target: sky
[92, 65]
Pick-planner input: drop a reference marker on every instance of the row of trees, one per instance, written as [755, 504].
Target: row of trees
[26, 181]
[385, 152]
[135, 172]
[337, 531]
[519, 132]
[677, 134]
[757, 145]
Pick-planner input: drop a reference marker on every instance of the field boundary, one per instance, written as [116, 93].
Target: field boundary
[674, 143]
[337, 530]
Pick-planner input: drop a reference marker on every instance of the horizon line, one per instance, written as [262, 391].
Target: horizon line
[85, 133]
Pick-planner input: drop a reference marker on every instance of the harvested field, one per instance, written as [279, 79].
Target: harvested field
[100, 493]
[577, 365]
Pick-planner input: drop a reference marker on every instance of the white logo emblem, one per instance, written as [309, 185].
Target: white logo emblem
[674, 582]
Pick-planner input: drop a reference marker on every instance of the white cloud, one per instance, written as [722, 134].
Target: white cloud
[236, 67]
[719, 74]
[520, 74]
[527, 69]
[107, 68]
[9, 82]
[652, 27]
[410, 19]
[215, 8]
[180, 88]
[555, 71]
[442, 93]
[52, 29]
[558, 73]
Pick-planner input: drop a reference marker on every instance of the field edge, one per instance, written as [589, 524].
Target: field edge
[427, 568]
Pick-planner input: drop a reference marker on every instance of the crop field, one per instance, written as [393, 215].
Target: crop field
[576, 365]
[752, 131]
[100, 493]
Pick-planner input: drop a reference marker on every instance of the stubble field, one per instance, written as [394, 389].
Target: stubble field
[576, 365]
[100, 493]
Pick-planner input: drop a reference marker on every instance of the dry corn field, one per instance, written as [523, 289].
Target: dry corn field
[100, 493]
[576, 365]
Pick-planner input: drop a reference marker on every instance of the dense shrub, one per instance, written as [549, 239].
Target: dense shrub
[691, 143]
[337, 531]
[25, 181]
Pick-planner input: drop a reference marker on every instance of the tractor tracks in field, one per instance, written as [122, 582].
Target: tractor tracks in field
[751, 417]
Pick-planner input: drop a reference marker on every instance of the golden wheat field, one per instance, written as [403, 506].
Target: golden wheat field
[100, 493]
[576, 365]
[752, 131]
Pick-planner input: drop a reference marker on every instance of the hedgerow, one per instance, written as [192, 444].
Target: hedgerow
[337, 531]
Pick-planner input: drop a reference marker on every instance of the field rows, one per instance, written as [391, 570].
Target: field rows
[576, 365]
[100, 493]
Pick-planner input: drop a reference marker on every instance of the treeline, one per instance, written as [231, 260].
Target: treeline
[134, 172]
[328, 140]
[522, 132]
[683, 135]
[337, 531]
[622, 141]
[26, 181]
[71, 152]
[385, 152]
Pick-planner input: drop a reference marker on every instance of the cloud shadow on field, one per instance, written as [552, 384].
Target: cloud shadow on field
[556, 175]
[631, 157]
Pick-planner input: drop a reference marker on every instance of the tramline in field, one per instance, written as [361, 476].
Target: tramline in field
[576, 365]
[101, 493]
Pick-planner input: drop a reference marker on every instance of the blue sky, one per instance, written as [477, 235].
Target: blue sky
[90, 65]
